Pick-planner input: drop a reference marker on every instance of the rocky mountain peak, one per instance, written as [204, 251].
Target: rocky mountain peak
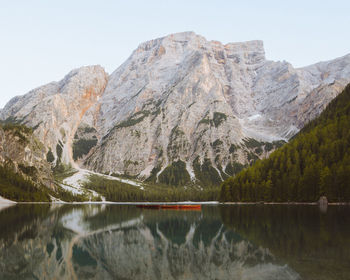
[251, 51]
[55, 110]
[185, 41]
[181, 39]
[179, 104]
[190, 40]
[84, 77]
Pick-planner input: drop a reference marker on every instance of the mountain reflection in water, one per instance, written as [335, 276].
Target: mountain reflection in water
[219, 242]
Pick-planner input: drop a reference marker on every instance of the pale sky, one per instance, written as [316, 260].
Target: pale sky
[41, 41]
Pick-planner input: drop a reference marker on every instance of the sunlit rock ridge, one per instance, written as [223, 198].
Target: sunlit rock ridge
[179, 98]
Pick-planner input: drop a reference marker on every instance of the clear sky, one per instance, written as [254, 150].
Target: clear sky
[41, 41]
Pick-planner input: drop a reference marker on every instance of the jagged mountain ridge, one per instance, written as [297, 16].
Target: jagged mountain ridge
[180, 97]
[55, 110]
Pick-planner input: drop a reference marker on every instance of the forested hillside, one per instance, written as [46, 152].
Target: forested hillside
[117, 191]
[14, 186]
[25, 174]
[315, 162]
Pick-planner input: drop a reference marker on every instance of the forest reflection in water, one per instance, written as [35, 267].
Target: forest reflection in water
[220, 242]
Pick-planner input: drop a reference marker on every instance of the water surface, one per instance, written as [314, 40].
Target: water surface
[219, 242]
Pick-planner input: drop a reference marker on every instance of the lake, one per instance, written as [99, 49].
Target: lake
[42, 241]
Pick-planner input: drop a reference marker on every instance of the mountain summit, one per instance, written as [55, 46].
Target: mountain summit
[179, 107]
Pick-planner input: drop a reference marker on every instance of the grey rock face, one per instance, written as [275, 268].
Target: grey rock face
[184, 98]
[181, 98]
[56, 109]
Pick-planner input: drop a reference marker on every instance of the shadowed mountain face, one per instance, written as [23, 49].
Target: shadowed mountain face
[124, 242]
[179, 102]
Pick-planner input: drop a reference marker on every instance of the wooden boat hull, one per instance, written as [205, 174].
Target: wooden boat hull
[171, 206]
[148, 206]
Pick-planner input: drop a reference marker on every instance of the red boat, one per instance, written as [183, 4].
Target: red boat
[171, 206]
[148, 206]
[190, 206]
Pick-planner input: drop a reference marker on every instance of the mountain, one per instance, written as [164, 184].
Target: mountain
[181, 109]
[55, 110]
[315, 163]
[24, 170]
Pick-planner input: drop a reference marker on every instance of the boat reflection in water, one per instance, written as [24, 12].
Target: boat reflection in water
[127, 242]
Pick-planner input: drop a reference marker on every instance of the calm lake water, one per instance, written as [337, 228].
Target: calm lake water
[218, 242]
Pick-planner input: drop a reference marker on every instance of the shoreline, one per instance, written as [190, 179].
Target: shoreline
[283, 203]
[4, 201]
[116, 203]
[9, 203]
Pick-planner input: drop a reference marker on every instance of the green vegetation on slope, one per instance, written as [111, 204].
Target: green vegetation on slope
[50, 157]
[234, 168]
[316, 162]
[175, 174]
[62, 172]
[205, 173]
[19, 130]
[114, 190]
[218, 119]
[15, 187]
[18, 184]
[82, 147]
[68, 196]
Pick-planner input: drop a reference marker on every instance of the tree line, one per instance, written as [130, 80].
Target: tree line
[15, 187]
[117, 191]
[314, 163]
